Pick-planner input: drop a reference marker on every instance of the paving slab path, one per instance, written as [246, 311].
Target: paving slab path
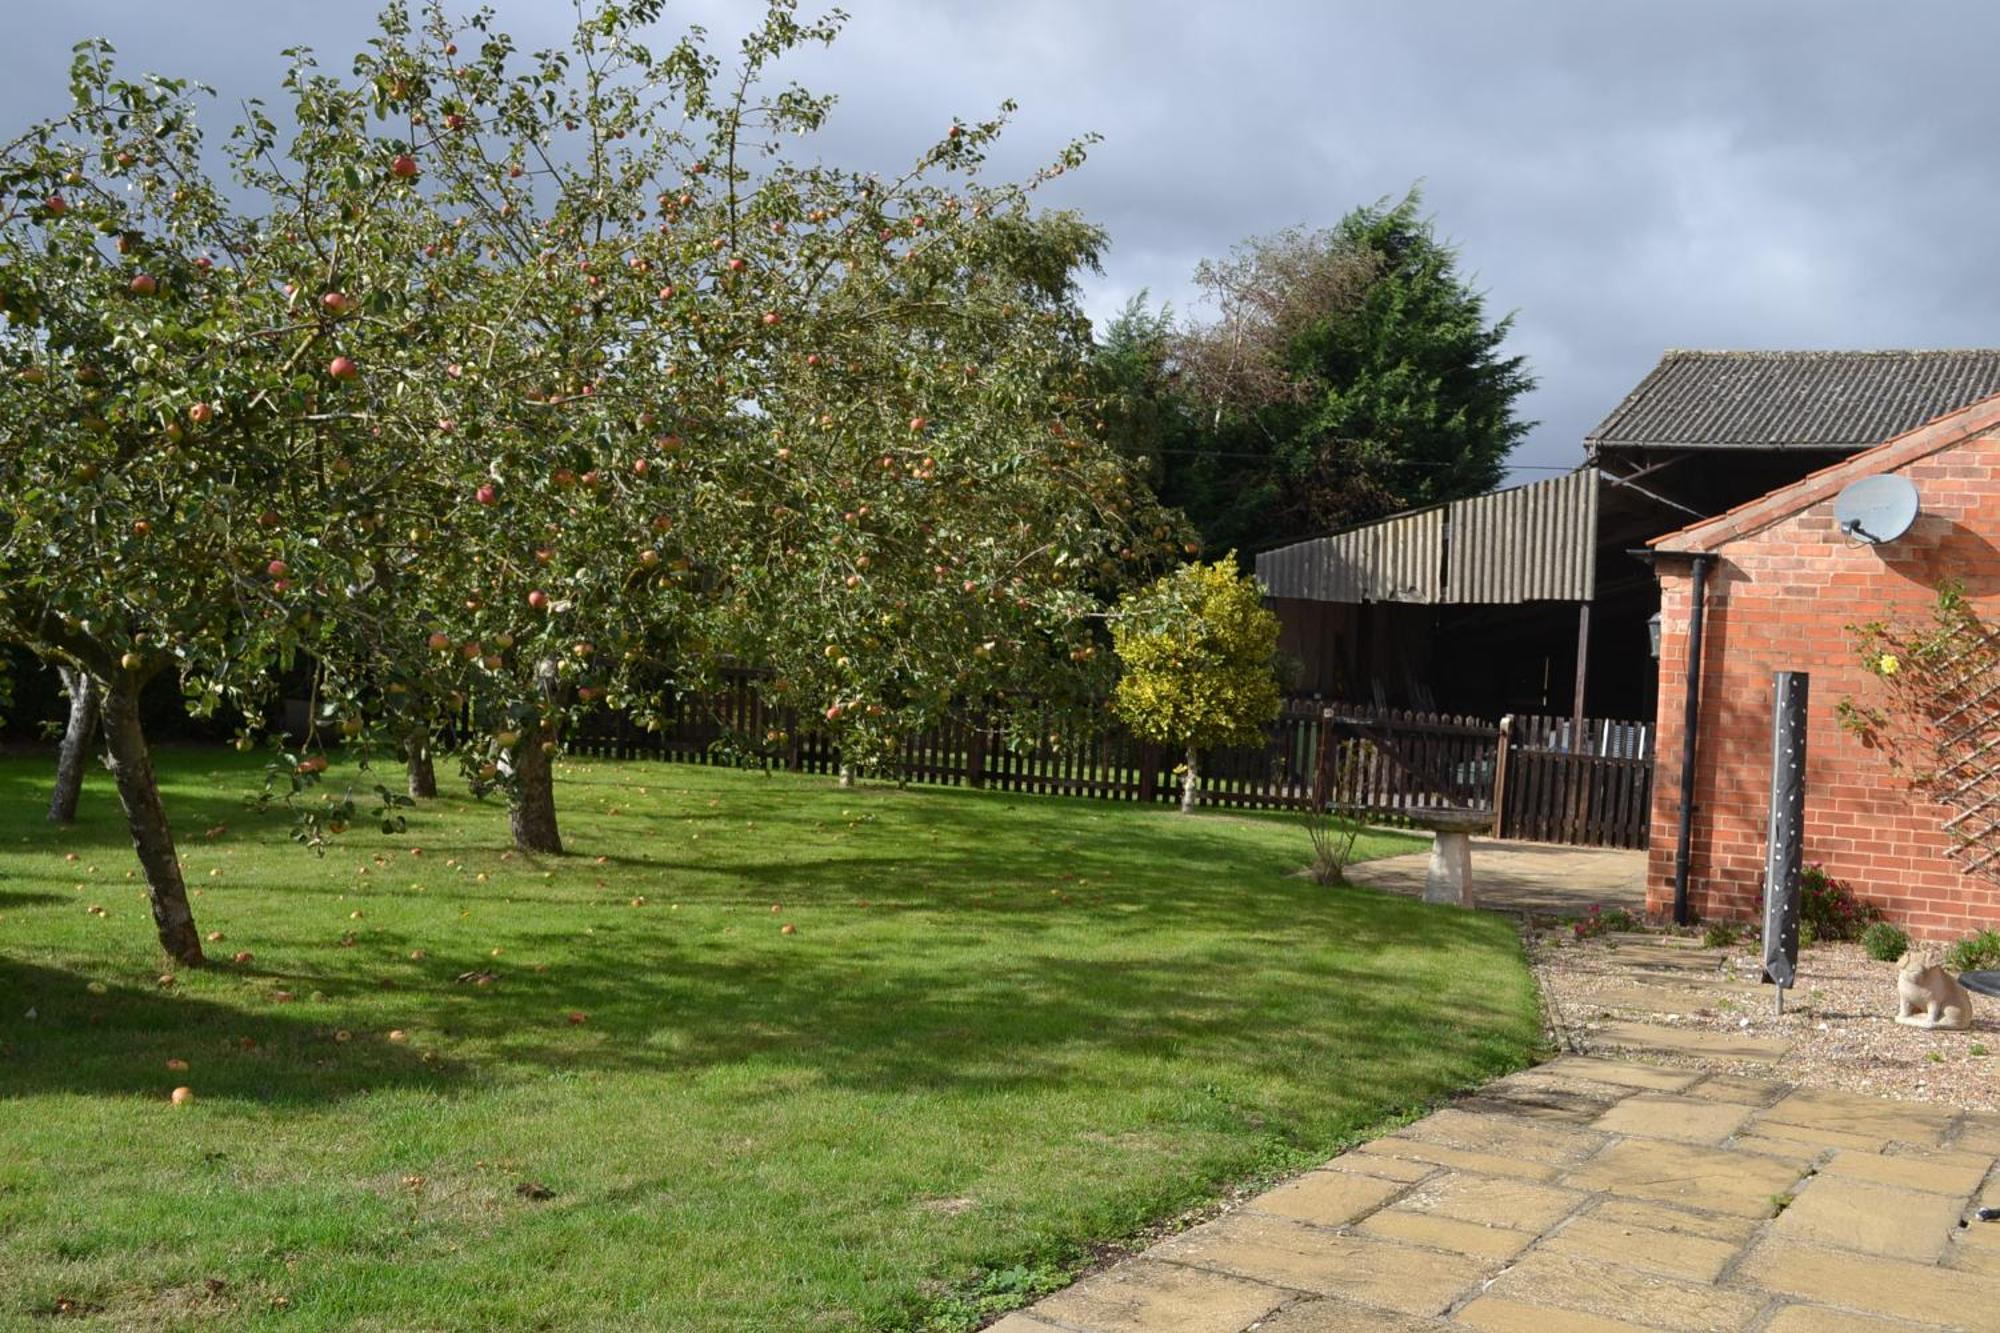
[1592, 1195]
[1525, 876]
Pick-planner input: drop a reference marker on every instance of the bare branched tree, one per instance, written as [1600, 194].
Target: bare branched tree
[1266, 294]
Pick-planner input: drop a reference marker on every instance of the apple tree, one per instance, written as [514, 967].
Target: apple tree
[190, 488]
[717, 401]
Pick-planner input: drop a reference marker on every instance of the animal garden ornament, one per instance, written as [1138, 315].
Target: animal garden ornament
[1927, 996]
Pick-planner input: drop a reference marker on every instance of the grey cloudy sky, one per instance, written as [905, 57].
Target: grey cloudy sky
[1626, 177]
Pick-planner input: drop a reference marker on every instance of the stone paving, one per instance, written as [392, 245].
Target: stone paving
[1525, 876]
[1592, 1195]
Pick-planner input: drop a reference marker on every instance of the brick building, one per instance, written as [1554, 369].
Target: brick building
[1779, 586]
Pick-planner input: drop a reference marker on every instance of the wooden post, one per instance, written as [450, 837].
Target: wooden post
[1323, 760]
[975, 754]
[1582, 675]
[1149, 773]
[1500, 756]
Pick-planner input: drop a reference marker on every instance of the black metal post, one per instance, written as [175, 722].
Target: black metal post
[1784, 842]
[1690, 719]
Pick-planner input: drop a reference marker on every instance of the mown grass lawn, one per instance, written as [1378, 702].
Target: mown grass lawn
[1004, 1028]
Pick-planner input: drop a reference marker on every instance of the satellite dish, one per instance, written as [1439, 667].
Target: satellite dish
[1876, 509]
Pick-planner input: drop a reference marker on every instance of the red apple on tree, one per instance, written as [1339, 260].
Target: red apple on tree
[343, 368]
[403, 166]
[144, 284]
[538, 599]
[487, 494]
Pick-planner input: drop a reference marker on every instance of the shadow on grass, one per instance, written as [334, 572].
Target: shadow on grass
[875, 1016]
[885, 1016]
[119, 1043]
[20, 898]
[986, 963]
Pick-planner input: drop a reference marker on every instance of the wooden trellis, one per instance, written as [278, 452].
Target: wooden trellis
[1944, 692]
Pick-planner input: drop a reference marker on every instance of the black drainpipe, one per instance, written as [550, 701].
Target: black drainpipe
[1689, 720]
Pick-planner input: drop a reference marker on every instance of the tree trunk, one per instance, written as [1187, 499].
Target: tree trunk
[131, 767]
[75, 750]
[423, 772]
[1190, 781]
[533, 813]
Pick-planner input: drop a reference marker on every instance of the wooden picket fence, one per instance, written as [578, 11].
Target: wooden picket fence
[1590, 789]
[1387, 765]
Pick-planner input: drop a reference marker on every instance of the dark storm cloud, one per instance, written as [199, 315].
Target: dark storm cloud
[1627, 177]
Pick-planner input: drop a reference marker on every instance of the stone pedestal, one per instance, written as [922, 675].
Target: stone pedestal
[1450, 877]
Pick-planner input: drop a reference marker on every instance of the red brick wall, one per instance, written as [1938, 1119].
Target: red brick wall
[1782, 599]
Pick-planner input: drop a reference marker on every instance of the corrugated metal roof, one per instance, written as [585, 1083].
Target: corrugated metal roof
[1794, 400]
[1949, 431]
[1398, 559]
[1529, 544]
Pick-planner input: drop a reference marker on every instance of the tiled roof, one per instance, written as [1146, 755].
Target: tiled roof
[1794, 400]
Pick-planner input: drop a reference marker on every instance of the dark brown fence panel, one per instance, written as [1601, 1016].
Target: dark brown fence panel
[1590, 785]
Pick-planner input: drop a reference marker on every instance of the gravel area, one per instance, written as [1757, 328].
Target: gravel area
[1839, 1018]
